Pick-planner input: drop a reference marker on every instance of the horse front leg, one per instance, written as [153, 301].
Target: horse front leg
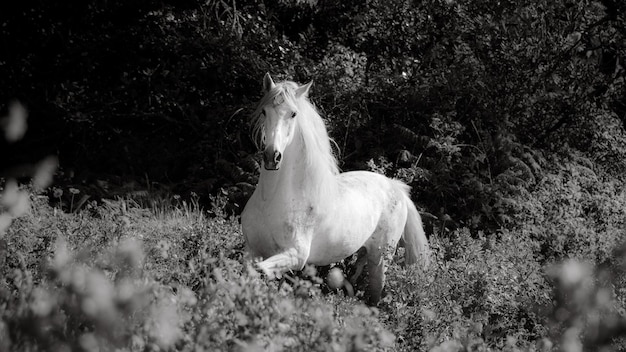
[291, 259]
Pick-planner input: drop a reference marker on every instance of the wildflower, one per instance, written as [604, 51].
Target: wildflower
[573, 272]
[163, 246]
[138, 343]
[187, 297]
[164, 324]
[5, 340]
[44, 173]
[571, 340]
[125, 290]
[130, 253]
[387, 339]
[79, 279]
[57, 192]
[286, 307]
[14, 199]
[61, 254]
[42, 302]
[15, 123]
[448, 346]
[98, 301]
[5, 222]
[89, 342]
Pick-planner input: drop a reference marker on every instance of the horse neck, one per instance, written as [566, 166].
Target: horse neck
[297, 180]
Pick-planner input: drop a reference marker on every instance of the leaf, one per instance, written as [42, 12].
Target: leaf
[409, 136]
[232, 171]
[250, 164]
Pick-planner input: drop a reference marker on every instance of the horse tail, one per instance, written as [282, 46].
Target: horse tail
[416, 247]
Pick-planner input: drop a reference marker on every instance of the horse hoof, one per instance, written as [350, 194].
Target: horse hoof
[263, 269]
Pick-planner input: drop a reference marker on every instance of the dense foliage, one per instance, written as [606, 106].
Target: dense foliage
[120, 276]
[506, 118]
[462, 99]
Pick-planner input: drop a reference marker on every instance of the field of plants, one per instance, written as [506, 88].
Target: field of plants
[126, 159]
[155, 273]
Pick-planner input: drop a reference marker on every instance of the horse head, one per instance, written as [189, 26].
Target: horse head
[278, 113]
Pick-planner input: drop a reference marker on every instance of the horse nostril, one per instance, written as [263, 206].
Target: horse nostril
[277, 156]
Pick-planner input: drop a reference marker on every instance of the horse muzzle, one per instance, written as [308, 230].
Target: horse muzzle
[271, 159]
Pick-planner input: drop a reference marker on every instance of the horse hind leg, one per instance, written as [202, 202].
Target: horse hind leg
[375, 263]
[376, 275]
[380, 249]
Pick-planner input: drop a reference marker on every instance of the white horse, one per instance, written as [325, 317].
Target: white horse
[304, 211]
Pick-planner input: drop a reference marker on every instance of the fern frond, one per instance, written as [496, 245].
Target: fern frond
[232, 171]
[250, 164]
[409, 136]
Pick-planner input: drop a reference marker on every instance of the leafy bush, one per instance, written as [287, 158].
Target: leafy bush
[481, 292]
[118, 276]
[575, 211]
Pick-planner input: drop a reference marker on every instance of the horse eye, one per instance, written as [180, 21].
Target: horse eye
[262, 112]
[293, 114]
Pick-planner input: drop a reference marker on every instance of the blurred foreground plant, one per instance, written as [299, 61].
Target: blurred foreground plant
[13, 200]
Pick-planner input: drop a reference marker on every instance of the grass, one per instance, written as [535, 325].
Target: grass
[171, 276]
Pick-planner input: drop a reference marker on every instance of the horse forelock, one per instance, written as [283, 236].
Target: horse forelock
[281, 93]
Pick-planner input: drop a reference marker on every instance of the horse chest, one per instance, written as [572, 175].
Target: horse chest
[288, 218]
[276, 224]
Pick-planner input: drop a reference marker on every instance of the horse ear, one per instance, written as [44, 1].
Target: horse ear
[303, 90]
[268, 83]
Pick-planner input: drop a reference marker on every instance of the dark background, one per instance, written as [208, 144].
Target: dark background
[465, 100]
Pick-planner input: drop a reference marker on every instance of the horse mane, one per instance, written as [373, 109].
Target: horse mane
[320, 159]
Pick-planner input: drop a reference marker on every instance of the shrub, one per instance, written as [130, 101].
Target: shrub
[575, 211]
[118, 276]
[483, 290]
